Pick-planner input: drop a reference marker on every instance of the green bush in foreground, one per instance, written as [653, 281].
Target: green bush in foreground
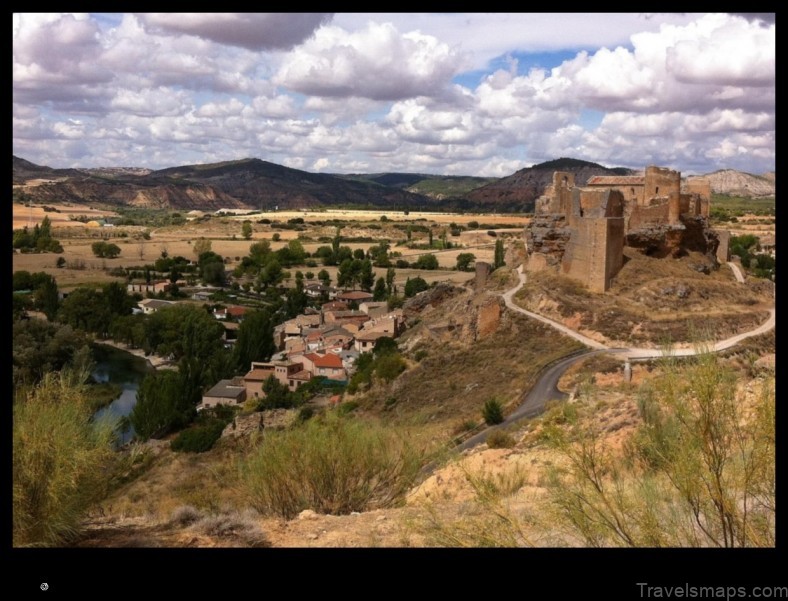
[492, 412]
[198, 439]
[60, 461]
[333, 465]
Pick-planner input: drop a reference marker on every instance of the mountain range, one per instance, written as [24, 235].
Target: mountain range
[257, 184]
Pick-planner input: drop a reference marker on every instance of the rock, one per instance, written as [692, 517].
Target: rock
[308, 514]
[700, 268]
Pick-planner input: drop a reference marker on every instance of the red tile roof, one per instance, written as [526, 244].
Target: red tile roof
[259, 374]
[355, 295]
[330, 360]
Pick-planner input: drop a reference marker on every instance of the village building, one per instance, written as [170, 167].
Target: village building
[355, 296]
[151, 305]
[225, 392]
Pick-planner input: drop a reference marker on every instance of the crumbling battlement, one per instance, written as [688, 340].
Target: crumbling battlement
[584, 229]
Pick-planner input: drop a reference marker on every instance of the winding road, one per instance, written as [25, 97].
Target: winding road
[546, 387]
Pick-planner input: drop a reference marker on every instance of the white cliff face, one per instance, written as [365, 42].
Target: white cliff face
[729, 181]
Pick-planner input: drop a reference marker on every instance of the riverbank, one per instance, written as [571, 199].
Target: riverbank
[154, 361]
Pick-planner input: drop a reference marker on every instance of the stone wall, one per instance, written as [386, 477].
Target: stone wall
[641, 216]
[662, 182]
[483, 271]
[723, 249]
[594, 254]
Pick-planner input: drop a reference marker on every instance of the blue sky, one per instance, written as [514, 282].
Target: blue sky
[459, 93]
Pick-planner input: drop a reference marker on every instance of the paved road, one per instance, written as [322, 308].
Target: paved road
[736, 272]
[546, 389]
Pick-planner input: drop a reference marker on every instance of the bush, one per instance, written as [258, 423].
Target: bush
[333, 466]
[60, 461]
[429, 261]
[500, 440]
[185, 515]
[198, 439]
[492, 412]
[233, 525]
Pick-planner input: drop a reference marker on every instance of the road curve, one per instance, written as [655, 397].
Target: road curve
[546, 389]
[736, 272]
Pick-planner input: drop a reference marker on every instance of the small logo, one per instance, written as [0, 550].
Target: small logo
[44, 586]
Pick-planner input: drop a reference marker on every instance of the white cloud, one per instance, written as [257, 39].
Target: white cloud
[255, 31]
[377, 63]
[381, 92]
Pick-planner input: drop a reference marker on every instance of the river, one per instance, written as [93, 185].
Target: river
[126, 370]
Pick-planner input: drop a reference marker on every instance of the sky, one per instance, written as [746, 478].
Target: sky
[454, 94]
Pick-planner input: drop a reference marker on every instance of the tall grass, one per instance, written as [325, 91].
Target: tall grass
[334, 466]
[60, 461]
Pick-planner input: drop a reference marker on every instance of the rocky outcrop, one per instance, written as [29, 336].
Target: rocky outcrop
[429, 299]
[691, 235]
[547, 235]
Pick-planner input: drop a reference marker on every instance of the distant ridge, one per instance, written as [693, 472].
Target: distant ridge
[522, 188]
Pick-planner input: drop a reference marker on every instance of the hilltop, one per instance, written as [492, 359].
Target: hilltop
[247, 183]
[738, 183]
[522, 188]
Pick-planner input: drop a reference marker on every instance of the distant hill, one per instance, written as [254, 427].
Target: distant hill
[25, 170]
[247, 183]
[738, 183]
[521, 189]
[435, 186]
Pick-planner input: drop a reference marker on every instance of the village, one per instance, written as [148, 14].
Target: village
[319, 343]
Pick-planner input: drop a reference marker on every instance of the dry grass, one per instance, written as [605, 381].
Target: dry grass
[451, 386]
[652, 301]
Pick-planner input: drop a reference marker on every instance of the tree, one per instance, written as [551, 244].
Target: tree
[246, 230]
[414, 286]
[86, 309]
[271, 275]
[428, 261]
[255, 339]
[277, 395]
[499, 254]
[324, 277]
[105, 250]
[213, 273]
[200, 246]
[366, 277]
[380, 293]
[492, 412]
[46, 298]
[259, 252]
[391, 273]
[61, 459]
[163, 404]
[464, 261]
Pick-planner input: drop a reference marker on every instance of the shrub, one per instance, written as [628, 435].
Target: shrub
[500, 440]
[334, 466]
[185, 515]
[492, 412]
[232, 525]
[198, 439]
[347, 407]
[60, 461]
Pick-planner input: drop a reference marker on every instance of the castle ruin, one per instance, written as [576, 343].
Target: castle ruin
[582, 230]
